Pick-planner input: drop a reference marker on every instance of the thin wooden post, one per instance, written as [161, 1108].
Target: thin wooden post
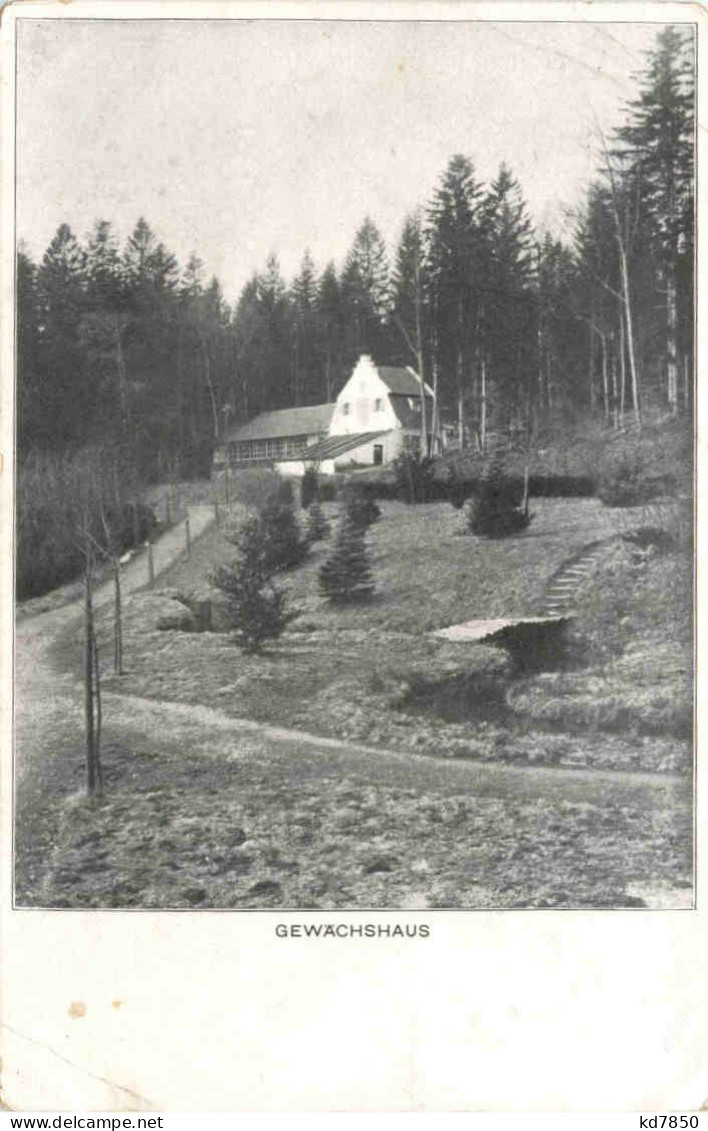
[136, 524]
[526, 491]
[227, 484]
[168, 509]
[151, 565]
[118, 623]
[89, 681]
[187, 535]
[216, 511]
[99, 716]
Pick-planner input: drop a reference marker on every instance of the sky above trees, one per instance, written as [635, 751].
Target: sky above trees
[241, 139]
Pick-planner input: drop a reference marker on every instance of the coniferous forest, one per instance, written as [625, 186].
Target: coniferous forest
[122, 349]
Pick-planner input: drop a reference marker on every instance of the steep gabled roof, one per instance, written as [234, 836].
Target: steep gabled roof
[282, 422]
[410, 419]
[399, 380]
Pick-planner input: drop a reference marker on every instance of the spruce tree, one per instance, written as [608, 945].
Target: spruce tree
[309, 487]
[658, 141]
[346, 575]
[509, 328]
[365, 291]
[284, 544]
[359, 508]
[318, 527]
[257, 609]
[303, 299]
[456, 273]
[494, 510]
[329, 315]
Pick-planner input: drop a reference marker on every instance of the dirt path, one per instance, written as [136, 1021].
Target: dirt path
[311, 754]
[49, 754]
[48, 708]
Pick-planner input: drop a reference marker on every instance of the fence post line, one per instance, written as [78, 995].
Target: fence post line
[168, 509]
[187, 535]
[216, 510]
[227, 479]
[151, 565]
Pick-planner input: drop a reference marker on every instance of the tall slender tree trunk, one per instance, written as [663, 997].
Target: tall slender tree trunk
[623, 369]
[605, 386]
[435, 362]
[630, 333]
[483, 404]
[460, 379]
[88, 682]
[92, 692]
[591, 363]
[296, 370]
[435, 423]
[671, 350]
[210, 387]
[549, 382]
[613, 379]
[425, 439]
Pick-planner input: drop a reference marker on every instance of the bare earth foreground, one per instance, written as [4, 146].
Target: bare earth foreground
[232, 801]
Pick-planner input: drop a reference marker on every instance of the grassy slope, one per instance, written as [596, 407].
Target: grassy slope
[198, 820]
[363, 673]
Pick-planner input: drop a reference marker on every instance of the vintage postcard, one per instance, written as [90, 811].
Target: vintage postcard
[352, 489]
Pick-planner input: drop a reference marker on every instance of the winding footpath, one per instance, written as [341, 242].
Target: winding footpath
[48, 709]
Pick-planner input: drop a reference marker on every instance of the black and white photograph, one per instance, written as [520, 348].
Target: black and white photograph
[354, 466]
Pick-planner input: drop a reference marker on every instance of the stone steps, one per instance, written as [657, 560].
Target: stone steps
[563, 589]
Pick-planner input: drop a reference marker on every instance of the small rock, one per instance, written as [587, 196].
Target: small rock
[266, 887]
[180, 621]
[381, 864]
[194, 895]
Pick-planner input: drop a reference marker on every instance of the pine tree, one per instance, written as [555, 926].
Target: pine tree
[358, 507]
[494, 510]
[258, 610]
[330, 332]
[410, 314]
[318, 526]
[346, 575]
[658, 141]
[284, 544]
[29, 393]
[309, 487]
[105, 283]
[561, 389]
[510, 326]
[457, 271]
[273, 344]
[304, 333]
[68, 395]
[365, 291]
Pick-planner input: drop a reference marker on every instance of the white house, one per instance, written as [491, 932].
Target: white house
[378, 412]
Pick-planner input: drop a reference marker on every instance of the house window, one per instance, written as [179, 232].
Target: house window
[414, 403]
[295, 446]
[378, 454]
[274, 449]
[345, 408]
[378, 405]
